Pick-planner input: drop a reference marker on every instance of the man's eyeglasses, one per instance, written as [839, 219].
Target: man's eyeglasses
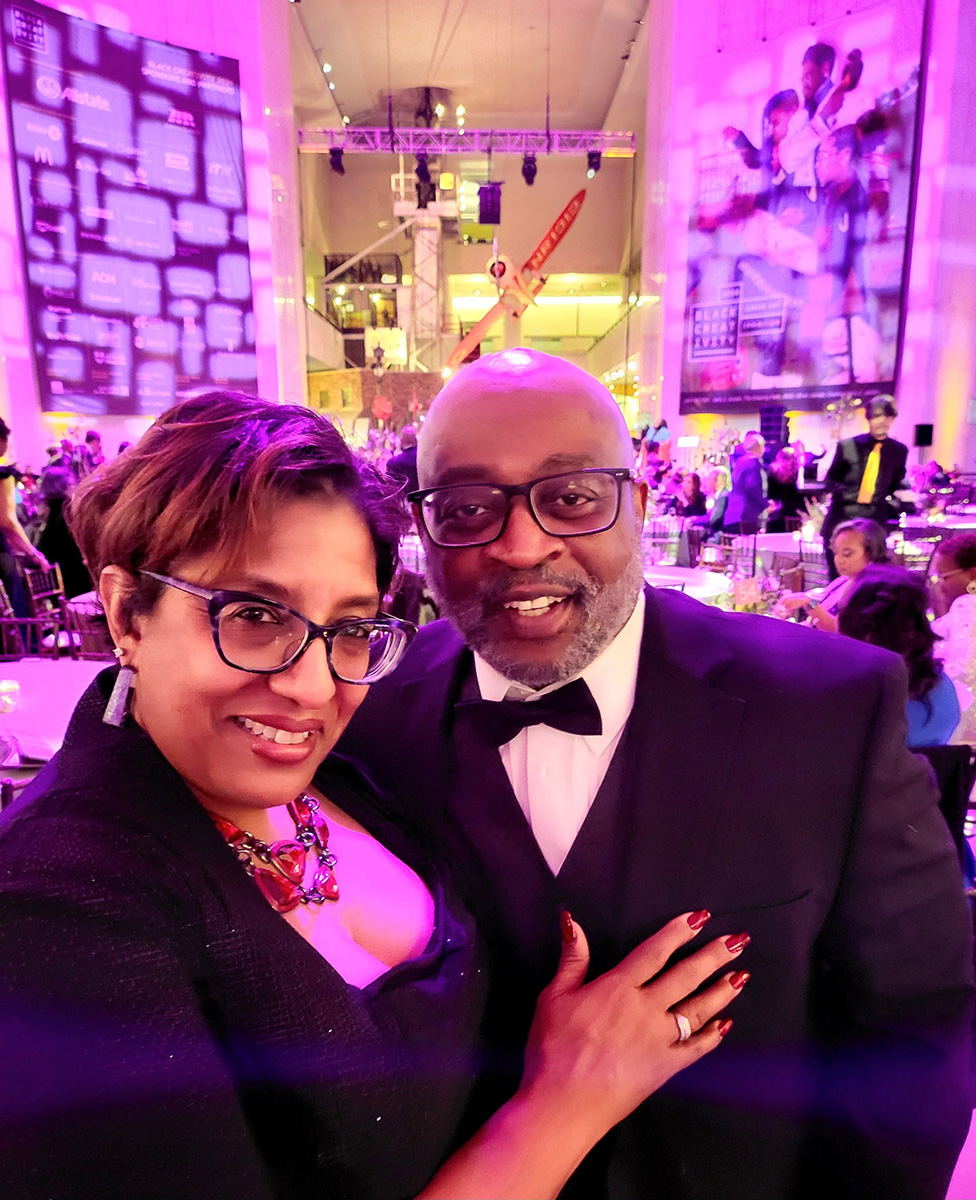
[570, 504]
[264, 637]
[937, 578]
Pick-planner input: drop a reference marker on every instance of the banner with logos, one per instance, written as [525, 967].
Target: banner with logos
[801, 200]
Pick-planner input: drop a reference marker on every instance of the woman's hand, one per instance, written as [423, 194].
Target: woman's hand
[599, 1049]
[595, 1051]
[787, 605]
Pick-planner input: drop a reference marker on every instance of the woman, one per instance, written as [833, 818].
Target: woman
[252, 983]
[691, 498]
[15, 546]
[953, 586]
[855, 544]
[887, 607]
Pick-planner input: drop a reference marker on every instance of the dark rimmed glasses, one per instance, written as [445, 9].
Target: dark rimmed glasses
[570, 504]
[264, 637]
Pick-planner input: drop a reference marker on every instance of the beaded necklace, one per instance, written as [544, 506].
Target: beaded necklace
[279, 869]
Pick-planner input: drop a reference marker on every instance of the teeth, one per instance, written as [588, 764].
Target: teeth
[284, 737]
[538, 605]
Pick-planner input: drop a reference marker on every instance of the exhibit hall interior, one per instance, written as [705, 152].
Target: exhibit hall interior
[595, 380]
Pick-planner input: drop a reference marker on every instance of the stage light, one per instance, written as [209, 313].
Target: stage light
[490, 204]
[326, 68]
[529, 169]
[335, 160]
[346, 120]
[592, 163]
[422, 171]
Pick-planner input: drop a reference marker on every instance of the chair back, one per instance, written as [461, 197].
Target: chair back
[814, 563]
[11, 633]
[47, 605]
[955, 773]
[87, 626]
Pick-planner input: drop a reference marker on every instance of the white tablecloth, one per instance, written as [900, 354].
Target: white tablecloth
[49, 690]
[703, 585]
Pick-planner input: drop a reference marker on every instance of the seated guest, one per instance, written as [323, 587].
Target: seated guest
[953, 591]
[691, 499]
[224, 969]
[855, 544]
[784, 492]
[717, 486]
[887, 607]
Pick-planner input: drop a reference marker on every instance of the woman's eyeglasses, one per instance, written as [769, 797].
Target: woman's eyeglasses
[265, 637]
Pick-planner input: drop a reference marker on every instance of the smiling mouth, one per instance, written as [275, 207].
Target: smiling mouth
[282, 737]
[535, 607]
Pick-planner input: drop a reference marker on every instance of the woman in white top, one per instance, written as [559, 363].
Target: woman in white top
[855, 544]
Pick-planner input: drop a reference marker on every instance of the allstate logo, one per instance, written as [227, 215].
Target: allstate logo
[49, 87]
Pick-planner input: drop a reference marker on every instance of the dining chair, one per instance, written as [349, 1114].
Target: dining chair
[814, 563]
[11, 632]
[87, 627]
[47, 606]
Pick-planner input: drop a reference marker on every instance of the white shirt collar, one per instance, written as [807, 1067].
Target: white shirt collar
[611, 678]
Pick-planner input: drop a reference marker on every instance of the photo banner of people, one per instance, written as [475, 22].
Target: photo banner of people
[800, 214]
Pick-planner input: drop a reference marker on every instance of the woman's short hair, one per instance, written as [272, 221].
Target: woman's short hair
[872, 537]
[959, 549]
[888, 607]
[199, 477]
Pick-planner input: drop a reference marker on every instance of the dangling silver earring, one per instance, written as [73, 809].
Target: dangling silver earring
[118, 702]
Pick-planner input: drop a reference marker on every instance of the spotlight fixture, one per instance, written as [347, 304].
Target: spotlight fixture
[529, 169]
[592, 163]
[335, 160]
[490, 204]
[327, 68]
[422, 171]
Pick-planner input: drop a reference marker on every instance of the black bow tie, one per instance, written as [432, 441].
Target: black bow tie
[571, 709]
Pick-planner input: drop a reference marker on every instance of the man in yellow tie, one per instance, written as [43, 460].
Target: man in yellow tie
[865, 472]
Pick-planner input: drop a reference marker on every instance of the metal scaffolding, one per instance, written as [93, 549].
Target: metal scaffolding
[356, 140]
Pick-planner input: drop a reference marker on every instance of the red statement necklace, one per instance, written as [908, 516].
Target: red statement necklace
[279, 869]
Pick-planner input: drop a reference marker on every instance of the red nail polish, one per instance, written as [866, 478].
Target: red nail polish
[739, 979]
[738, 942]
[567, 928]
[724, 1028]
[697, 919]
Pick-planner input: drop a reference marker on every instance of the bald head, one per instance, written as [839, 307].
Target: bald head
[490, 402]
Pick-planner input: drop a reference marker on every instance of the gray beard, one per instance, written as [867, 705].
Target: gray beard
[605, 610]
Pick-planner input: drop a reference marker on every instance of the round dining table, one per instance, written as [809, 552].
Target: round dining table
[693, 581]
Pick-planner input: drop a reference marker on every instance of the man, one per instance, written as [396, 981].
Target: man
[403, 466]
[812, 122]
[865, 472]
[694, 759]
[750, 496]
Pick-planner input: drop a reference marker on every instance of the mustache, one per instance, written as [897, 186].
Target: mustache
[494, 589]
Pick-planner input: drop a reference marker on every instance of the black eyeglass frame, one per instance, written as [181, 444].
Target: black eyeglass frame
[216, 600]
[621, 475]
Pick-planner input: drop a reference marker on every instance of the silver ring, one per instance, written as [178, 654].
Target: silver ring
[684, 1026]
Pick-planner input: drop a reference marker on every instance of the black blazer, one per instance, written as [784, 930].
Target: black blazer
[763, 775]
[844, 475]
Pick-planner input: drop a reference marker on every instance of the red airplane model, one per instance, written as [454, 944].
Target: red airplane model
[517, 288]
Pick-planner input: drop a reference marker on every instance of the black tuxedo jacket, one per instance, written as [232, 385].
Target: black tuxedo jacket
[845, 473]
[762, 775]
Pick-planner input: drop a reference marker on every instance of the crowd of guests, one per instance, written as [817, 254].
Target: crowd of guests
[275, 970]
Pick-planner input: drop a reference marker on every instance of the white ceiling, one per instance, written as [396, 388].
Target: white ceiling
[489, 55]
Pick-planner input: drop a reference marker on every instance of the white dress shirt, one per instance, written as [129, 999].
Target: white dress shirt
[556, 775]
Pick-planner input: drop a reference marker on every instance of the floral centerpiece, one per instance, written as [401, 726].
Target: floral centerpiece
[750, 595]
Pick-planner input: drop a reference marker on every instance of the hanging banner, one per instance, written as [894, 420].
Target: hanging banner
[129, 167]
[802, 192]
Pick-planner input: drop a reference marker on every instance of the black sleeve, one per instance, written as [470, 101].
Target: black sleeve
[112, 1083]
[897, 982]
[838, 470]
